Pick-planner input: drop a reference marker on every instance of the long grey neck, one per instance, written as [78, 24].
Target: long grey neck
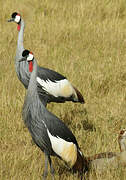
[20, 46]
[32, 92]
[32, 88]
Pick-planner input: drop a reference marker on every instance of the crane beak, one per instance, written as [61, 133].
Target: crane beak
[10, 20]
[23, 59]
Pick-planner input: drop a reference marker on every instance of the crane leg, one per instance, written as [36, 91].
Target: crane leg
[51, 168]
[45, 173]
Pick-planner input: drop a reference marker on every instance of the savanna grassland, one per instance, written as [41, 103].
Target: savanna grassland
[86, 42]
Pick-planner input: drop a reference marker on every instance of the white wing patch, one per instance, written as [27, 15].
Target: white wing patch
[59, 88]
[66, 150]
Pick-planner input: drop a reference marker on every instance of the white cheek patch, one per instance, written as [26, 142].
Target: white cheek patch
[30, 57]
[61, 88]
[66, 150]
[17, 19]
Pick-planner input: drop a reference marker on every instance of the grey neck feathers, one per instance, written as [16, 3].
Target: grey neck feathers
[32, 93]
[32, 88]
[20, 46]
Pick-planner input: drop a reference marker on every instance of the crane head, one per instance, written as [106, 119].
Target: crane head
[28, 56]
[16, 17]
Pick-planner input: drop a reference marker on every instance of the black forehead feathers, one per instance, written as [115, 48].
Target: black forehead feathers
[14, 14]
[25, 53]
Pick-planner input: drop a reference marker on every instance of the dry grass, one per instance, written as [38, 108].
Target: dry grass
[84, 40]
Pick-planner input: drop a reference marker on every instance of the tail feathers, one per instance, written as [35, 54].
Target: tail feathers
[79, 96]
[81, 164]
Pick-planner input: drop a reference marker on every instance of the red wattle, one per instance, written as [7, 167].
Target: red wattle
[30, 66]
[18, 27]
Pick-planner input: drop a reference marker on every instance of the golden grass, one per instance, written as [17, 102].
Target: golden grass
[85, 41]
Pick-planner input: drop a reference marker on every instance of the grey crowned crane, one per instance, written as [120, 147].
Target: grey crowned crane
[109, 160]
[48, 132]
[52, 86]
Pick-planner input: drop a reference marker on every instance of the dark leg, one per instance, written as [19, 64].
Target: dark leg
[46, 167]
[51, 167]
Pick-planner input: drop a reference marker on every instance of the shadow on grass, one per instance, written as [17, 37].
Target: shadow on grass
[76, 115]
